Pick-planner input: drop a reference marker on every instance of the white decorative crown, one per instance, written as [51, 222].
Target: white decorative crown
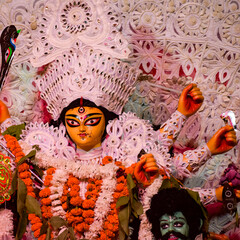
[90, 74]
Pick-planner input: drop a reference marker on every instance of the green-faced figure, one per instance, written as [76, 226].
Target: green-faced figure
[175, 215]
[174, 227]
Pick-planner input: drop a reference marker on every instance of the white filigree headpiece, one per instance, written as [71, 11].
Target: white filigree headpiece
[95, 76]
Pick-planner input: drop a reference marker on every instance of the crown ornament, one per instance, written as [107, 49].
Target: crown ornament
[90, 74]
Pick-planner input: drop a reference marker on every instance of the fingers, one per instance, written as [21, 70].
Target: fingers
[150, 164]
[229, 134]
[196, 94]
[231, 137]
[139, 165]
[187, 89]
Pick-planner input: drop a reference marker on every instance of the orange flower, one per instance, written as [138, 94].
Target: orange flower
[47, 180]
[110, 233]
[88, 203]
[25, 174]
[72, 181]
[42, 237]
[103, 236]
[98, 183]
[75, 188]
[23, 167]
[47, 215]
[37, 233]
[27, 181]
[91, 187]
[120, 187]
[118, 163]
[91, 195]
[65, 192]
[19, 155]
[116, 195]
[125, 192]
[45, 192]
[46, 208]
[46, 201]
[63, 199]
[88, 213]
[73, 193]
[76, 211]
[81, 227]
[76, 201]
[32, 194]
[113, 219]
[65, 206]
[30, 189]
[36, 226]
[31, 216]
[78, 219]
[70, 219]
[121, 179]
[35, 219]
[113, 205]
[89, 220]
[107, 160]
[50, 171]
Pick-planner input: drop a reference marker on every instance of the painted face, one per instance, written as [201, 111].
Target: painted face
[85, 126]
[174, 227]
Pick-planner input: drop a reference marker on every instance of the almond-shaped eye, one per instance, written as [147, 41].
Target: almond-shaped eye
[92, 121]
[72, 123]
[164, 225]
[178, 224]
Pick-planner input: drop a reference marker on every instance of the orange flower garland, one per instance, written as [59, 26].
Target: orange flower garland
[111, 224]
[23, 169]
[45, 194]
[80, 212]
[25, 175]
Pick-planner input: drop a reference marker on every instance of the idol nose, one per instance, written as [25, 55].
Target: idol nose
[82, 128]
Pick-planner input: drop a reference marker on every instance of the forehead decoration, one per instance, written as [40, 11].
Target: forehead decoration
[81, 110]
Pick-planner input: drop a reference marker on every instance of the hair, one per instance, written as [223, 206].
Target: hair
[86, 103]
[171, 200]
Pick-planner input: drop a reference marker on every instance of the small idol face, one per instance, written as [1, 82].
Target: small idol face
[174, 227]
[85, 126]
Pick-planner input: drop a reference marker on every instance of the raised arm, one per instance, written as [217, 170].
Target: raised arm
[190, 101]
[190, 161]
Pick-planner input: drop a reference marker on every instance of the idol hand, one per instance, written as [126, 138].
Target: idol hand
[223, 140]
[4, 113]
[146, 170]
[190, 100]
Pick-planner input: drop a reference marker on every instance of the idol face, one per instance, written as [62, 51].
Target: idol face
[85, 126]
[174, 227]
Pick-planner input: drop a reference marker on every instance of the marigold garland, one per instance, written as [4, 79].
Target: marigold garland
[25, 175]
[79, 212]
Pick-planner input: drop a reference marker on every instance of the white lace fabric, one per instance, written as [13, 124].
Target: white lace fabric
[197, 157]
[171, 127]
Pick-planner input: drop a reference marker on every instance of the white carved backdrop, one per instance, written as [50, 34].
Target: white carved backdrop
[168, 40]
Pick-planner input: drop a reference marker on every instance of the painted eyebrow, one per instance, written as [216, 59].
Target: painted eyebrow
[88, 115]
[177, 218]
